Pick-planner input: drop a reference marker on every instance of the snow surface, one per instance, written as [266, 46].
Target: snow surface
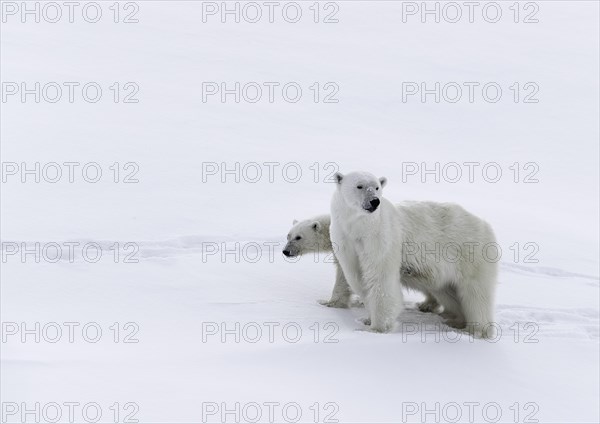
[177, 291]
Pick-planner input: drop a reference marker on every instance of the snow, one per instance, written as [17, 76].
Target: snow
[180, 293]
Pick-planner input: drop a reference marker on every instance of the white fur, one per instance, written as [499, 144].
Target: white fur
[438, 246]
[369, 246]
[315, 238]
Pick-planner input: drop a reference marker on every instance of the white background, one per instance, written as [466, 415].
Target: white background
[174, 212]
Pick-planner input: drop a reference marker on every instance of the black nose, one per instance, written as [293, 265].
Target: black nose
[375, 203]
[286, 253]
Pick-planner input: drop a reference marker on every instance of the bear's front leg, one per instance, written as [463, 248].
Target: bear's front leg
[340, 297]
[384, 300]
[430, 304]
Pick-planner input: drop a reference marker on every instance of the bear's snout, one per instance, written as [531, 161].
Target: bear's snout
[373, 204]
[290, 251]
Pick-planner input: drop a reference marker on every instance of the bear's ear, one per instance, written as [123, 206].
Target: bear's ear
[338, 176]
[316, 226]
[383, 181]
[295, 222]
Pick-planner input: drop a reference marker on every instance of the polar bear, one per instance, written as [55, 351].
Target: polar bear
[312, 236]
[366, 229]
[428, 239]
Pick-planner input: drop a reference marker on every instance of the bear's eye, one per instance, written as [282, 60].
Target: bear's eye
[298, 238]
[377, 188]
[359, 187]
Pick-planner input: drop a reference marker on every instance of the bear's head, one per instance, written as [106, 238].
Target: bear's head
[304, 237]
[360, 190]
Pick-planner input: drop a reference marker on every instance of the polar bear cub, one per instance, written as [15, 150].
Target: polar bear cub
[312, 236]
[441, 248]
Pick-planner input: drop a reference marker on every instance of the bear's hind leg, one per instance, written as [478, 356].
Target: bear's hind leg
[453, 312]
[477, 305]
